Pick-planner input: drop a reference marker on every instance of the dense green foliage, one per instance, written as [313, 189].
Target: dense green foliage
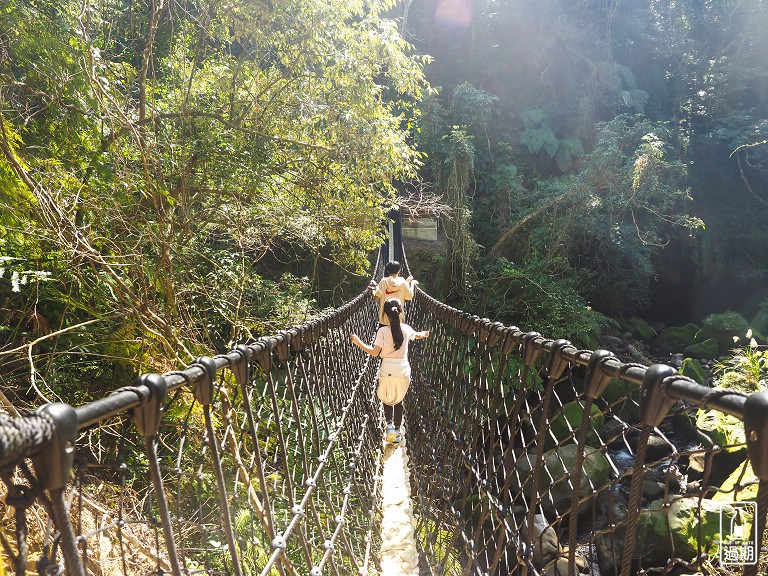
[605, 135]
[164, 163]
[745, 369]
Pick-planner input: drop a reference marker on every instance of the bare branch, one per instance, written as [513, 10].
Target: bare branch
[746, 182]
[420, 200]
[54, 334]
[494, 252]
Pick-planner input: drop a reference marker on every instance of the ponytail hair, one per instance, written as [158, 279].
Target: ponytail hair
[393, 308]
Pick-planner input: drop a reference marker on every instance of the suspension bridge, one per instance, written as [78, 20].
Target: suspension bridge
[522, 455]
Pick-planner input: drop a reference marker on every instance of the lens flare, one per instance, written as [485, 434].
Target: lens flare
[453, 14]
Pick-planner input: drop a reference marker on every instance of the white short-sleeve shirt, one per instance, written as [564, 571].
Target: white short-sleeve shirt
[387, 344]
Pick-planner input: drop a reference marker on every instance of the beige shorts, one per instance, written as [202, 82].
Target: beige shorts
[394, 380]
[392, 389]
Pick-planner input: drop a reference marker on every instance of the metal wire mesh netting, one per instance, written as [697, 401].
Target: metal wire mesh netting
[263, 460]
[533, 456]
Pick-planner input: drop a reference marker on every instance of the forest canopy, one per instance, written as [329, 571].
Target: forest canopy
[156, 153]
[176, 177]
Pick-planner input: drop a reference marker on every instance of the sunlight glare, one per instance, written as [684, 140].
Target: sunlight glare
[454, 14]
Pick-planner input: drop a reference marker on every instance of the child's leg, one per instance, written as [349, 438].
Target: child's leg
[394, 414]
[389, 413]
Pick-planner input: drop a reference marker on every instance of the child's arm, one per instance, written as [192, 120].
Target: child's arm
[372, 350]
[422, 334]
[410, 285]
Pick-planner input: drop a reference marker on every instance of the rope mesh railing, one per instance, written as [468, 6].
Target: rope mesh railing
[260, 461]
[528, 455]
[535, 457]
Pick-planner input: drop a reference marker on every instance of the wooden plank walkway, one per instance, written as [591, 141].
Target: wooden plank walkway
[399, 556]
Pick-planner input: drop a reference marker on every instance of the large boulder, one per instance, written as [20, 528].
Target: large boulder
[558, 462]
[728, 328]
[682, 528]
[728, 433]
[693, 369]
[743, 478]
[709, 348]
[724, 430]
[641, 328]
[568, 419]
[677, 338]
[678, 530]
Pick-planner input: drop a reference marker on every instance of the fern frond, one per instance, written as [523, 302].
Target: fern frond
[540, 139]
[626, 77]
[569, 150]
[532, 118]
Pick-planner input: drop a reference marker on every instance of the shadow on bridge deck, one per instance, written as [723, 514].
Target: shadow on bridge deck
[399, 556]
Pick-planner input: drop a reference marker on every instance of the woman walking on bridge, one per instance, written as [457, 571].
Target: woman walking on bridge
[395, 372]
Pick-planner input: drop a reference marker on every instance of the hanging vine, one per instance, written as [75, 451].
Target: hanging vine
[462, 246]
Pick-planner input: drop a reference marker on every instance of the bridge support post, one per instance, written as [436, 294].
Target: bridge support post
[241, 369]
[148, 415]
[147, 418]
[654, 407]
[654, 402]
[54, 471]
[54, 465]
[756, 433]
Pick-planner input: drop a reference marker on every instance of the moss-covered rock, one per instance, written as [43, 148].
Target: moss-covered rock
[693, 369]
[623, 398]
[709, 348]
[682, 528]
[724, 430]
[641, 328]
[568, 419]
[677, 338]
[729, 321]
[729, 328]
[558, 461]
[746, 481]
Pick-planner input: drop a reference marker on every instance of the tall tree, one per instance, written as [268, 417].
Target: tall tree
[162, 149]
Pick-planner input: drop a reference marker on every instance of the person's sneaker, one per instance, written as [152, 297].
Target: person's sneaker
[393, 435]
